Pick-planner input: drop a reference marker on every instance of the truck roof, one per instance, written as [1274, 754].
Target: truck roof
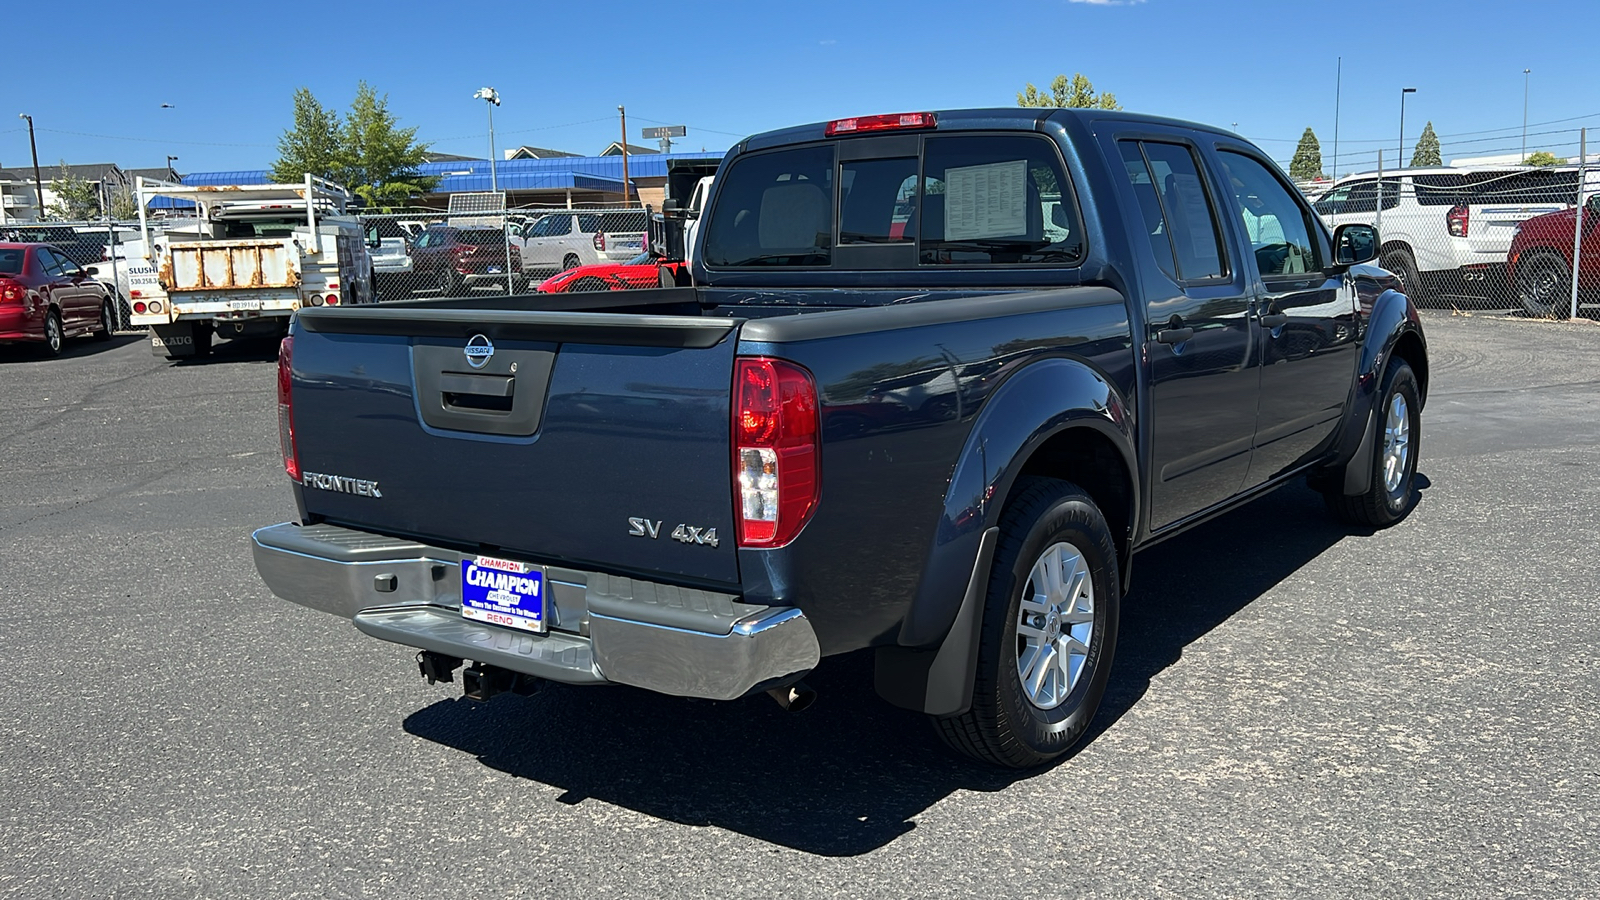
[1000, 118]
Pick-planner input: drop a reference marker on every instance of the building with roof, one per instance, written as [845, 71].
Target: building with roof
[615, 149]
[573, 181]
[526, 152]
[19, 200]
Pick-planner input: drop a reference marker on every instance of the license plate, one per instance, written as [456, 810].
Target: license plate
[244, 304]
[503, 592]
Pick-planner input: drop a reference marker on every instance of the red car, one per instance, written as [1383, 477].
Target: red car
[1539, 265]
[46, 298]
[453, 260]
[643, 271]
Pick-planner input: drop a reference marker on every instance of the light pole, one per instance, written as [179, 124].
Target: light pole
[491, 98]
[170, 172]
[38, 183]
[1400, 161]
[1525, 72]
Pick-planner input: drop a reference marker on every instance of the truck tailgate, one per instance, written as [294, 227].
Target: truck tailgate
[233, 264]
[543, 442]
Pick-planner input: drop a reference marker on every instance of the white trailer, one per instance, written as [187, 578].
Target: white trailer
[252, 255]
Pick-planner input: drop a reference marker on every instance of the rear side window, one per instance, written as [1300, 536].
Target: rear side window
[775, 209]
[611, 223]
[995, 199]
[11, 262]
[482, 237]
[1178, 210]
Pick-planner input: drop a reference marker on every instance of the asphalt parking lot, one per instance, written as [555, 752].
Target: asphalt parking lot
[1296, 710]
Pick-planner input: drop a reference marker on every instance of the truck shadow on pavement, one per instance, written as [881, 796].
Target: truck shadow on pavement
[848, 776]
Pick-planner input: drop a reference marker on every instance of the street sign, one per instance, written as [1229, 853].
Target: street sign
[665, 131]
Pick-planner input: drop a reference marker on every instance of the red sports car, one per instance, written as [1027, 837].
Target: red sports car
[46, 298]
[643, 271]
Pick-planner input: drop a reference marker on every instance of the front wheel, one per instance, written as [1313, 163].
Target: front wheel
[1391, 495]
[1049, 630]
[1543, 283]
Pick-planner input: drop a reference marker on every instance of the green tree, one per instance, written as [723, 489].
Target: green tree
[312, 146]
[123, 206]
[77, 199]
[1426, 153]
[1307, 162]
[381, 159]
[1074, 93]
[1544, 158]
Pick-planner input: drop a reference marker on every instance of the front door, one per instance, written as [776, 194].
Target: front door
[1204, 385]
[1307, 319]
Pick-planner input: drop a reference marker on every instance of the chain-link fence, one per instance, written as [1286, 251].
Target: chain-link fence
[1481, 237]
[437, 254]
[107, 247]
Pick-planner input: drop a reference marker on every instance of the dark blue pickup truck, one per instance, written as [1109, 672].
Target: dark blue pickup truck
[938, 378]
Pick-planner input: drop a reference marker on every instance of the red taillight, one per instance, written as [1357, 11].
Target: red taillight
[775, 456]
[291, 453]
[1457, 219]
[12, 292]
[139, 307]
[891, 122]
[600, 240]
[333, 299]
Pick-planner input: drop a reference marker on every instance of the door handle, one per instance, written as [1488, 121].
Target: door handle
[1174, 335]
[1274, 320]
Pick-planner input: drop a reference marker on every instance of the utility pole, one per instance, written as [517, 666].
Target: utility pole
[38, 183]
[171, 172]
[626, 199]
[1524, 157]
[1338, 82]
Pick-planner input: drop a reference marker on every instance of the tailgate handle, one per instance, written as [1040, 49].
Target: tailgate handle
[480, 385]
[461, 392]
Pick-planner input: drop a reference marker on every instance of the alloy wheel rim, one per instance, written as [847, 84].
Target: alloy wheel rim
[1055, 625]
[52, 333]
[1396, 443]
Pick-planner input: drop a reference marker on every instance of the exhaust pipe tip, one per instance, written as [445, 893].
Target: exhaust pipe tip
[795, 697]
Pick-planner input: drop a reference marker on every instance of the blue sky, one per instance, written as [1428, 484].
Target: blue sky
[730, 69]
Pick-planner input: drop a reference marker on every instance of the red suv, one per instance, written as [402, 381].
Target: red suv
[1539, 264]
[449, 259]
[46, 298]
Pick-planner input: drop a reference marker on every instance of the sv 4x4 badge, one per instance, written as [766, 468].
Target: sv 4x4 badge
[684, 534]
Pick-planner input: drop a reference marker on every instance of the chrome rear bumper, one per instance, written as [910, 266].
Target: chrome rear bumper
[603, 628]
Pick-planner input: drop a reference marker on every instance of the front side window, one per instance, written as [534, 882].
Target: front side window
[775, 209]
[995, 199]
[1276, 224]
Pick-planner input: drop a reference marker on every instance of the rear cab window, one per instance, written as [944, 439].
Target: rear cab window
[964, 200]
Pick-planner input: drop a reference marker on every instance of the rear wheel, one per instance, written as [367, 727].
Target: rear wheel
[1404, 266]
[571, 262]
[54, 337]
[448, 282]
[103, 332]
[1048, 633]
[1543, 286]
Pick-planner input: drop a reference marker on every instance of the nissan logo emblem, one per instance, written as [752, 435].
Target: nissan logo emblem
[479, 351]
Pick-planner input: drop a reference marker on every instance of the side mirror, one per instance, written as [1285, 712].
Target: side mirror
[671, 204]
[91, 271]
[1354, 243]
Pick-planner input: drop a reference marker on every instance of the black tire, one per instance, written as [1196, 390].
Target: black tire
[1404, 266]
[1544, 283]
[55, 340]
[103, 333]
[449, 283]
[583, 285]
[203, 333]
[571, 262]
[1381, 505]
[1004, 727]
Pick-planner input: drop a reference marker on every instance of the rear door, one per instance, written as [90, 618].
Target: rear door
[1201, 345]
[1306, 317]
[543, 443]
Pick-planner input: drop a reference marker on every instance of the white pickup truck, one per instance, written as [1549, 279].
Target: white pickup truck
[252, 256]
